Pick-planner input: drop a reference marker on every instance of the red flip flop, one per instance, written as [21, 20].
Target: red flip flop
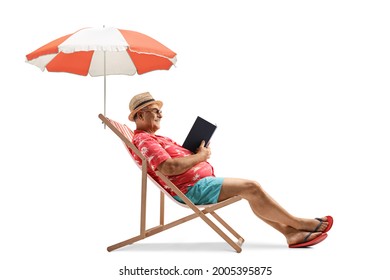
[312, 242]
[329, 220]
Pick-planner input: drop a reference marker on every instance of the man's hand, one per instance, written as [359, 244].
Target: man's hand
[204, 152]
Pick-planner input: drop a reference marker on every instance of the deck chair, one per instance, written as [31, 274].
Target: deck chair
[197, 211]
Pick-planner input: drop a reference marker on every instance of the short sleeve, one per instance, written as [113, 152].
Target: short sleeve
[151, 149]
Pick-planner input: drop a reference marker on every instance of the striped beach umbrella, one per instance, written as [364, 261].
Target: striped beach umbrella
[101, 52]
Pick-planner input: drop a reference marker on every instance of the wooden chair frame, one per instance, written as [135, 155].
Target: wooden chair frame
[199, 211]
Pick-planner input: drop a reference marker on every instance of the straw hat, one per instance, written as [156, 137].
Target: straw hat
[140, 101]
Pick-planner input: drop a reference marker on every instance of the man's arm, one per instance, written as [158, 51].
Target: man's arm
[176, 166]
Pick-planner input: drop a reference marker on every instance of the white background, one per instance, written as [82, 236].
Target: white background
[299, 91]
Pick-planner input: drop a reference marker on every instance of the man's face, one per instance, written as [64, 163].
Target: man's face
[151, 117]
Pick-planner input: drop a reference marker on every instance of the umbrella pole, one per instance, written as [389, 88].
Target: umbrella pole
[104, 86]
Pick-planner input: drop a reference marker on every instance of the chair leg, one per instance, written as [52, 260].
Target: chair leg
[202, 213]
[152, 231]
[229, 228]
[124, 243]
[235, 245]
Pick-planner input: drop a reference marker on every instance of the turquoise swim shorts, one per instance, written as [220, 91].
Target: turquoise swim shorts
[205, 191]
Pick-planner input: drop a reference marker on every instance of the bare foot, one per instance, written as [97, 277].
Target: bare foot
[313, 225]
[298, 236]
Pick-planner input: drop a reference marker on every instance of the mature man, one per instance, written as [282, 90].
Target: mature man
[194, 176]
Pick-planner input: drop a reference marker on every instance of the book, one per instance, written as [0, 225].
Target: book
[201, 130]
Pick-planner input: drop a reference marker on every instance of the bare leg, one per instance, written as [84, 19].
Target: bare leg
[266, 208]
